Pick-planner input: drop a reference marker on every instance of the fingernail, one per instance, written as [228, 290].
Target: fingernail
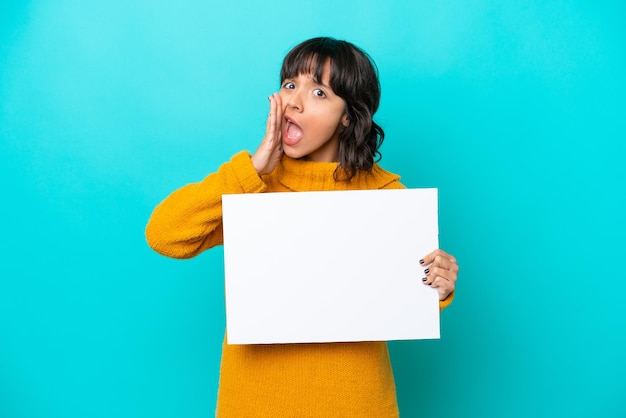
[427, 271]
[421, 261]
[424, 279]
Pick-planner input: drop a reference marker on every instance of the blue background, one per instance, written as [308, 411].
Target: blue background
[514, 110]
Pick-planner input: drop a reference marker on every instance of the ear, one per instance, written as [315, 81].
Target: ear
[345, 121]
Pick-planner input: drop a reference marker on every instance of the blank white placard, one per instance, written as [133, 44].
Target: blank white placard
[329, 266]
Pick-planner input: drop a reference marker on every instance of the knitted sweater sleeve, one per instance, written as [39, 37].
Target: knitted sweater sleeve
[189, 220]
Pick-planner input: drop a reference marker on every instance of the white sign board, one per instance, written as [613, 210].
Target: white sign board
[329, 266]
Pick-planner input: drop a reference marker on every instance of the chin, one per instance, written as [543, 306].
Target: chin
[292, 153]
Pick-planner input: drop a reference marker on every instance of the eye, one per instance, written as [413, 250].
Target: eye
[319, 93]
[289, 85]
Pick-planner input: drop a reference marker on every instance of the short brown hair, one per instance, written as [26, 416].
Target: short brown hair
[354, 78]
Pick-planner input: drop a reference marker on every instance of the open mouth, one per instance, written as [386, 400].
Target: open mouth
[292, 133]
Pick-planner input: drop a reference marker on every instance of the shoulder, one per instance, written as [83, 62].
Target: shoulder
[379, 178]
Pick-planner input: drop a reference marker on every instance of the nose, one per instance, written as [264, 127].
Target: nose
[293, 99]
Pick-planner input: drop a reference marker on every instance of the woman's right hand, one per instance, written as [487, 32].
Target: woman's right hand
[267, 156]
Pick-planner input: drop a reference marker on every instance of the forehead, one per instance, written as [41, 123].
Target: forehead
[316, 65]
[324, 80]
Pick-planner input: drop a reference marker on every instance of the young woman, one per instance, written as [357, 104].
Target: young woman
[320, 135]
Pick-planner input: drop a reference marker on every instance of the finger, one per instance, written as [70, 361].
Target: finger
[432, 273]
[279, 118]
[279, 107]
[444, 292]
[269, 117]
[437, 255]
[445, 263]
[430, 257]
[275, 134]
[444, 287]
[270, 131]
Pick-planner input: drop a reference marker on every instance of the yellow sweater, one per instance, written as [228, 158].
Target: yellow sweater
[289, 380]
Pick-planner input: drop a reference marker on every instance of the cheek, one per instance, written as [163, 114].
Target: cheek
[283, 99]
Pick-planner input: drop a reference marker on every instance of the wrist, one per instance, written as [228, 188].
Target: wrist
[257, 166]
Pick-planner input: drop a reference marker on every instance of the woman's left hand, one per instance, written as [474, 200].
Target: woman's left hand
[441, 272]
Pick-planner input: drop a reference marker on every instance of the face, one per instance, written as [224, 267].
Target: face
[313, 117]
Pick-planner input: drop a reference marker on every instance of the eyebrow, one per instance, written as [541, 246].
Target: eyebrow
[319, 82]
[312, 78]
